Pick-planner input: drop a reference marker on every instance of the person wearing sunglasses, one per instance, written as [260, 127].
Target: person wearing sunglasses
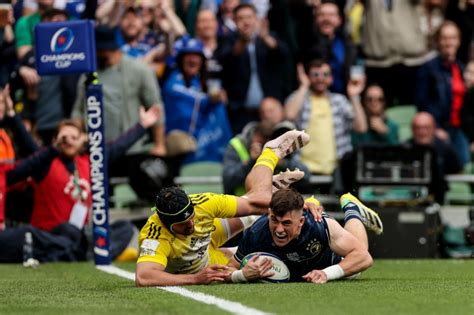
[329, 118]
[381, 130]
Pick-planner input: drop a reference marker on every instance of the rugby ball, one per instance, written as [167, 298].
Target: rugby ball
[280, 270]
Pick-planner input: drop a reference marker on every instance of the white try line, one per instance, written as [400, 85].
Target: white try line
[229, 306]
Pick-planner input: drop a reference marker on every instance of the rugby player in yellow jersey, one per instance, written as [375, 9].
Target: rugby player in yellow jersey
[179, 243]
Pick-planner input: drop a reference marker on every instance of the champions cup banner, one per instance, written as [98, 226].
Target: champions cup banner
[99, 176]
[65, 47]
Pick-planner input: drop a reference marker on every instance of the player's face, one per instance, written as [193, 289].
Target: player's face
[285, 228]
[186, 228]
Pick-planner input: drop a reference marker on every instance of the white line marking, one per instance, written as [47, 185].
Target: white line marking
[229, 306]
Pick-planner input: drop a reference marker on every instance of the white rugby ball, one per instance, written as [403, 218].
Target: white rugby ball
[280, 270]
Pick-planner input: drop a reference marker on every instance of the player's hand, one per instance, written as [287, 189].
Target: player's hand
[316, 210]
[212, 273]
[257, 268]
[316, 276]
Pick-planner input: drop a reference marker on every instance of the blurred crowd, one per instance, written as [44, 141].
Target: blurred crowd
[212, 80]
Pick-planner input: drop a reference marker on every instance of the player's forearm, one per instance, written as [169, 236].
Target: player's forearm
[162, 278]
[356, 261]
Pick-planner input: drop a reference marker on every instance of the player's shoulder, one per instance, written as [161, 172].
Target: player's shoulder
[313, 227]
[203, 199]
[154, 229]
[259, 230]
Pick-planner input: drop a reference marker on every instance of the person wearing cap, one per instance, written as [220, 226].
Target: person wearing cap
[194, 105]
[179, 244]
[127, 84]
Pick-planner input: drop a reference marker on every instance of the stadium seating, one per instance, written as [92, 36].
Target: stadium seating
[201, 177]
[402, 115]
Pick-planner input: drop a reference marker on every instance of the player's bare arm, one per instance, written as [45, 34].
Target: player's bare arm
[343, 243]
[154, 274]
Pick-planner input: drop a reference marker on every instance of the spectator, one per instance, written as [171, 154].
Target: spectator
[132, 29]
[445, 160]
[225, 17]
[127, 84]
[467, 111]
[252, 70]
[109, 12]
[328, 41]
[394, 47]
[241, 154]
[193, 107]
[431, 17]
[462, 13]
[206, 32]
[244, 149]
[63, 193]
[7, 50]
[167, 24]
[441, 89]
[187, 11]
[329, 118]
[26, 146]
[381, 130]
[271, 110]
[50, 98]
[24, 41]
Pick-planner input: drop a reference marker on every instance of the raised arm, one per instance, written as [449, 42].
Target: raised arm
[294, 104]
[119, 146]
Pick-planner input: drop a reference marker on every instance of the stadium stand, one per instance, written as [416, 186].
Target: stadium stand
[402, 115]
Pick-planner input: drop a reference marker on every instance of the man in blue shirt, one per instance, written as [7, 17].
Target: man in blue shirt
[314, 251]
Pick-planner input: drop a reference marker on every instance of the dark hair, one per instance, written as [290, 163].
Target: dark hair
[286, 200]
[244, 6]
[366, 90]
[316, 63]
[171, 200]
[203, 73]
[49, 13]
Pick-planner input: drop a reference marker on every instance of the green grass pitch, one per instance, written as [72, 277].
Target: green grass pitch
[390, 287]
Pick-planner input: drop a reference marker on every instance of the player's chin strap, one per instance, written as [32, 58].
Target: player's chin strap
[170, 219]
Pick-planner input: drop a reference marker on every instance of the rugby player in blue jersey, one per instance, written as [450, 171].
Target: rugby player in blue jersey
[314, 251]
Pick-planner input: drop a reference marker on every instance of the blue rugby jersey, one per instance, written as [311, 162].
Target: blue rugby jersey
[309, 251]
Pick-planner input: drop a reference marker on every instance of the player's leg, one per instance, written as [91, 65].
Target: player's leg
[358, 216]
[259, 181]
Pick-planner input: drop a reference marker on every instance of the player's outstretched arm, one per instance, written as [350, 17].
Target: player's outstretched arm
[153, 274]
[356, 257]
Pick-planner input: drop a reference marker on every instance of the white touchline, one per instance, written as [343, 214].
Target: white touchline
[229, 306]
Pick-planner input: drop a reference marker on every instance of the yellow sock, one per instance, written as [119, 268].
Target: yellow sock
[267, 158]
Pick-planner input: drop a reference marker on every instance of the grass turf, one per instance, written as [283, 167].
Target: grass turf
[390, 287]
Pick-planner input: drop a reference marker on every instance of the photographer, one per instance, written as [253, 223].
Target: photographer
[62, 193]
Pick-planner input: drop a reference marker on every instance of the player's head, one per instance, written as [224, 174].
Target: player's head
[285, 217]
[175, 210]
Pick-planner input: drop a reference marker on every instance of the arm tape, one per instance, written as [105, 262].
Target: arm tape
[238, 276]
[334, 272]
